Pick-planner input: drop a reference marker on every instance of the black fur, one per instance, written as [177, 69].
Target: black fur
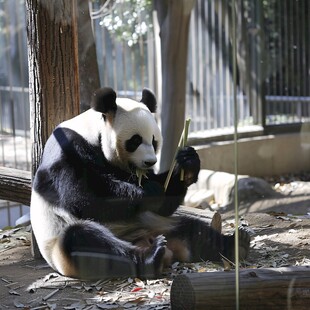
[76, 177]
[155, 144]
[133, 143]
[98, 189]
[104, 100]
[97, 253]
[204, 242]
[149, 99]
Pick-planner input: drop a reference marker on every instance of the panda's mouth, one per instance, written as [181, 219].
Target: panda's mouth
[133, 167]
[144, 167]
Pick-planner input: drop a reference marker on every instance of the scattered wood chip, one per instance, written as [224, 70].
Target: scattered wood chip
[136, 289]
[138, 282]
[284, 218]
[18, 304]
[13, 292]
[48, 296]
[77, 305]
[50, 276]
[107, 306]
[6, 281]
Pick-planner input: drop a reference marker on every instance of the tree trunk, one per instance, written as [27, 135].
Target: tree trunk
[53, 67]
[88, 66]
[174, 19]
[53, 70]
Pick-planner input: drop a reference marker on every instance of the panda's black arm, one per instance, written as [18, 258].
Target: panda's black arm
[103, 198]
[87, 193]
[75, 176]
[171, 198]
[188, 160]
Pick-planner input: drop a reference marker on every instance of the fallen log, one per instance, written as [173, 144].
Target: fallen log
[211, 217]
[265, 288]
[15, 185]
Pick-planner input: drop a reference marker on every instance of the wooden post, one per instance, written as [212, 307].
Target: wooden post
[174, 20]
[265, 288]
[53, 69]
[88, 66]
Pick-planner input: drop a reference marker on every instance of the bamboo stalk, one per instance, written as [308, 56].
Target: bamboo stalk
[182, 142]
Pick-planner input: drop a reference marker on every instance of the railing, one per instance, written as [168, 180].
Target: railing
[273, 58]
[287, 109]
[15, 145]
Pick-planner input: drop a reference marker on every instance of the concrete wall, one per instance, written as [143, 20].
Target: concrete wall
[260, 156]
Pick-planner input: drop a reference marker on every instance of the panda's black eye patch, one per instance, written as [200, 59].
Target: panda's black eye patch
[133, 143]
[155, 144]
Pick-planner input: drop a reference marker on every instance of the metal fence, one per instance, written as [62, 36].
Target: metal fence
[273, 64]
[273, 61]
[15, 146]
[126, 64]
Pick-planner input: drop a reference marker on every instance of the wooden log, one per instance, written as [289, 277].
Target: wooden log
[189, 211]
[15, 185]
[213, 218]
[266, 288]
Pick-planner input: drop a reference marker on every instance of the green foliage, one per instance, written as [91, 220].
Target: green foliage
[128, 19]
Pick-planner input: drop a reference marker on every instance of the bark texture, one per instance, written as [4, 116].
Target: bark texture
[265, 288]
[53, 67]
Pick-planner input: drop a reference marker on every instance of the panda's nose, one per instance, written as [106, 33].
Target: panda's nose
[150, 163]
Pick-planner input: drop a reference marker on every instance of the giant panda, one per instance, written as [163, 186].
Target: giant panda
[91, 215]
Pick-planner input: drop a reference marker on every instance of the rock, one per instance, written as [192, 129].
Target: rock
[222, 184]
[219, 183]
[252, 189]
[198, 198]
[24, 220]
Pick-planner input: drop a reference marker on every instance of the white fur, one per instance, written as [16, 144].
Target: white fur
[131, 118]
[49, 221]
[87, 124]
[135, 118]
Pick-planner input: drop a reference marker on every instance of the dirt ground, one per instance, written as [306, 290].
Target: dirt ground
[280, 238]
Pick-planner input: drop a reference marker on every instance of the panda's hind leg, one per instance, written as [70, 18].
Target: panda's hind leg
[96, 253]
[195, 240]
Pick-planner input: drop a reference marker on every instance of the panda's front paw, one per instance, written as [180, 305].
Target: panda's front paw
[188, 160]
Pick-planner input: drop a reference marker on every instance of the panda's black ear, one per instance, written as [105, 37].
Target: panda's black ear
[149, 99]
[104, 100]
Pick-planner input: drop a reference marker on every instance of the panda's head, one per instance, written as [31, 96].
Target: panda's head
[130, 136]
